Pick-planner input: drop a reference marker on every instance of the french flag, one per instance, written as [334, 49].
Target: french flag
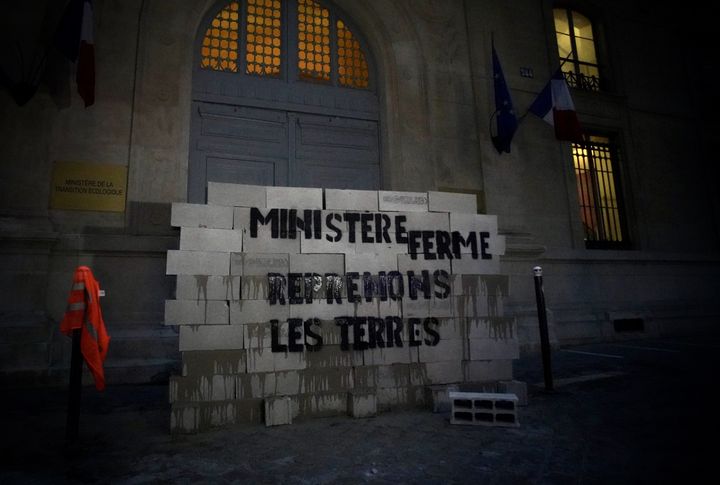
[75, 39]
[555, 105]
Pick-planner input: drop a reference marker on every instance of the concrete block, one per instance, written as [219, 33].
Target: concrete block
[284, 361]
[197, 263]
[211, 337]
[518, 388]
[194, 312]
[441, 307]
[278, 411]
[201, 215]
[236, 195]
[326, 379]
[426, 221]
[323, 404]
[371, 263]
[265, 243]
[419, 308]
[473, 223]
[477, 307]
[448, 372]
[488, 370]
[241, 219]
[183, 418]
[466, 264]
[448, 328]
[405, 263]
[394, 375]
[258, 335]
[257, 311]
[445, 350]
[294, 198]
[393, 355]
[200, 239]
[325, 246]
[320, 309]
[452, 202]
[317, 263]
[331, 355]
[213, 362]
[493, 349]
[260, 360]
[362, 404]
[438, 396]
[403, 201]
[496, 328]
[254, 288]
[255, 386]
[351, 200]
[288, 383]
[201, 287]
[484, 409]
[260, 264]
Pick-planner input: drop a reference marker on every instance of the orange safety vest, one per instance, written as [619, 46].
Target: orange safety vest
[83, 311]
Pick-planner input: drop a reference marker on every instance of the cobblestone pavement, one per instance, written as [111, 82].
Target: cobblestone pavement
[632, 411]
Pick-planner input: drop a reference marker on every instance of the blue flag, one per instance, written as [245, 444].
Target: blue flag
[505, 114]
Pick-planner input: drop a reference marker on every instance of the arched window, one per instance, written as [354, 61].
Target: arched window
[299, 40]
[577, 50]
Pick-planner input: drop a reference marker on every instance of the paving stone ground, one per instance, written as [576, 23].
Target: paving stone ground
[632, 411]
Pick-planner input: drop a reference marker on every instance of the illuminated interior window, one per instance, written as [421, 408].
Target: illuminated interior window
[220, 45]
[596, 178]
[264, 33]
[352, 66]
[576, 48]
[313, 41]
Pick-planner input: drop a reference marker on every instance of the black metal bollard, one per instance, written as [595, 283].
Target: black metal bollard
[75, 387]
[544, 337]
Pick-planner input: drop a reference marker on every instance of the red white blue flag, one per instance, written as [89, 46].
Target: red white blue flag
[75, 38]
[555, 105]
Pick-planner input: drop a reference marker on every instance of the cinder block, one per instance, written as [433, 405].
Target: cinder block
[236, 195]
[255, 386]
[448, 372]
[257, 311]
[323, 404]
[194, 312]
[387, 356]
[294, 198]
[518, 388]
[488, 370]
[263, 242]
[438, 397]
[371, 263]
[278, 411]
[213, 362]
[254, 288]
[405, 263]
[445, 350]
[466, 264]
[496, 328]
[331, 355]
[452, 202]
[473, 223]
[211, 337]
[241, 219]
[484, 409]
[362, 404]
[200, 239]
[325, 246]
[320, 309]
[326, 379]
[288, 383]
[201, 287]
[426, 221]
[442, 308]
[260, 264]
[351, 200]
[284, 361]
[317, 263]
[419, 308]
[493, 349]
[260, 360]
[183, 418]
[201, 215]
[258, 335]
[198, 263]
[403, 201]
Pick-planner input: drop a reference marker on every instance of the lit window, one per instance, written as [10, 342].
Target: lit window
[327, 50]
[263, 43]
[576, 48]
[219, 50]
[598, 193]
[352, 69]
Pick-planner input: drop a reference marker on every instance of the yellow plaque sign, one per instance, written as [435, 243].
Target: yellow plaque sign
[88, 187]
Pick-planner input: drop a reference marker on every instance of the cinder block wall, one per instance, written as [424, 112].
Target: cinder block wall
[312, 293]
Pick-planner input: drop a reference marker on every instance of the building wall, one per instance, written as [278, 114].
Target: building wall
[436, 94]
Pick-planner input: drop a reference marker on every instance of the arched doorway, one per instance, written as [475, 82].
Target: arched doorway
[283, 93]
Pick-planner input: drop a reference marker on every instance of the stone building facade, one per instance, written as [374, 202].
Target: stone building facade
[419, 119]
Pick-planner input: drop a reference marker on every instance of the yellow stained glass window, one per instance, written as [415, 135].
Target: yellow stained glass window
[352, 65]
[264, 37]
[219, 50]
[313, 41]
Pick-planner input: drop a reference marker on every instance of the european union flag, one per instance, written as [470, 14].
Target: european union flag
[505, 115]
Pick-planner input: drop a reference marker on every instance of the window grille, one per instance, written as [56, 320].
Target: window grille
[598, 193]
[220, 44]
